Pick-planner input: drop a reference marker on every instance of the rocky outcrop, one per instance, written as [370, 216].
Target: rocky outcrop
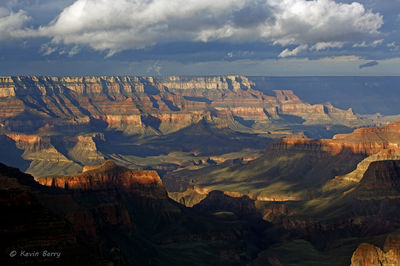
[84, 148]
[37, 147]
[105, 191]
[49, 154]
[274, 211]
[380, 181]
[219, 201]
[189, 197]
[368, 255]
[355, 176]
[382, 175]
[109, 176]
[367, 141]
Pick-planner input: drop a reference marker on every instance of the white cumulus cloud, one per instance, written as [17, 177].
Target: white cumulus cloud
[119, 25]
[374, 43]
[325, 45]
[11, 22]
[295, 51]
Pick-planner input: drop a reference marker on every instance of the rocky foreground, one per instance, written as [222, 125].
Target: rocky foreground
[111, 215]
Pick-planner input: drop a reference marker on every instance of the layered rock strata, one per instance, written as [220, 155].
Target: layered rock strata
[133, 103]
[58, 122]
[109, 176]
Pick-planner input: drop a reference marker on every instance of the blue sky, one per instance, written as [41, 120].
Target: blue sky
[199, 37]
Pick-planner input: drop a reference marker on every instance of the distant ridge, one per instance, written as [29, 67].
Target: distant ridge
[365, 94]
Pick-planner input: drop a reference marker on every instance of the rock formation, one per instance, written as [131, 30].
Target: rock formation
[309, 188]
[29, 228]
[313, 188]
[58, 122]
[133, 103]
[109, 176]
[111, 215]
[369, 255]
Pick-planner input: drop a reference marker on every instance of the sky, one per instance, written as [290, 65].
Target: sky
[199, 37]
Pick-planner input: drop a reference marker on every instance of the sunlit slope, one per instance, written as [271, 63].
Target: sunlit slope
[297, 169]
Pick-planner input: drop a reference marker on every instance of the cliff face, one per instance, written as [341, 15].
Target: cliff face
[59, 122]
[109, 176]
[366, 141]
[49, 153]
[382, 175]
[125, 102]
[110, 194]
[356, 175]
[364, 145]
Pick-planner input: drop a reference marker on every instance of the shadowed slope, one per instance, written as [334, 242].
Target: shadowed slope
[28, 226]
[124, 214]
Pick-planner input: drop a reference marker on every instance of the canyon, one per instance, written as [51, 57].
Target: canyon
[323, 191]
[129, 217]
[144, 170]
[295, 168]
[56, 125]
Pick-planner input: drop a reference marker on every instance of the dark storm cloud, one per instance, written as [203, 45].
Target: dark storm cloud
[252, 15]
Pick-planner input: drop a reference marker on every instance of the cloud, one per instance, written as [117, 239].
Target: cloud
[325, 45]
[374, 43]
[73, 51]
[369, 64]
[295, 51]
[46, 49]
[154, 69]
[119, 25]
[11, 22]
[299, 21]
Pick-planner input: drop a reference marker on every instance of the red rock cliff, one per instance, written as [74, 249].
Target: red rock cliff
[106, 176]
[368, 141]
[124, 103]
